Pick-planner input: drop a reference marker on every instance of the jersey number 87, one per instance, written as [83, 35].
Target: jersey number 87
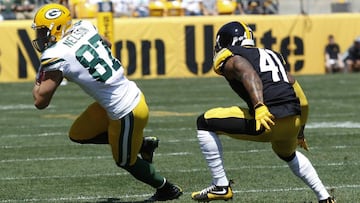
[92, 56]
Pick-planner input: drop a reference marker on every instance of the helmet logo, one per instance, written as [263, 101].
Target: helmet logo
[53, 13]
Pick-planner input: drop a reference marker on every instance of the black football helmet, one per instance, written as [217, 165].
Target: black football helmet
[234, 34]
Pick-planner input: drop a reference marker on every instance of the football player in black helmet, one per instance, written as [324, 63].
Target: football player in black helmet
[276, 111]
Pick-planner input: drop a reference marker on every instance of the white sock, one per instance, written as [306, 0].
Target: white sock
[211, 148]
[302, 168]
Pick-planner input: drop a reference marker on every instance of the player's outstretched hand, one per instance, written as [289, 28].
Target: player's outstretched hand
[301, 139]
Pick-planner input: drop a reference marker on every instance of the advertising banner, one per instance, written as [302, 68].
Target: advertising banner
[177, 47]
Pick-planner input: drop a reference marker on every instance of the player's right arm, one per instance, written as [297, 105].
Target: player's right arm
[239, 68]
[45, 87]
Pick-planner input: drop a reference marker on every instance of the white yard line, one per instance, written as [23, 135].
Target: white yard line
[54, 159]
[71, 199]
[346, 124]
[313, 125]
[157, 154]
[16, 107]
[193, 170]
[81, 157]
[33, 135]
[292, 189]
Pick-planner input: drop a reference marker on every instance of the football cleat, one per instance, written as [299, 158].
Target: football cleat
[213, 193]
[168, 192]
[148, 147]
[328, 200]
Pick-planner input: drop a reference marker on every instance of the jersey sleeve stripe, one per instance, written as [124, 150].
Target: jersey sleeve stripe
[49, 62]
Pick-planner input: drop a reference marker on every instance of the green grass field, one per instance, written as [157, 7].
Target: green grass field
[38, 163]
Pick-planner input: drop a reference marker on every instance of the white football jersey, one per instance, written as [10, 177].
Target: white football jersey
[83, 58]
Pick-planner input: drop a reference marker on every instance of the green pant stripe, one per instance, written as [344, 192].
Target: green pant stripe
[125, 139]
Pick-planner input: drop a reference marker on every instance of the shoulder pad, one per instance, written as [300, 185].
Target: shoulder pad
[220, 58]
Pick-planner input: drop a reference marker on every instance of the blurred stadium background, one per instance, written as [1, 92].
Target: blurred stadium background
[173, 38]
[88, 8]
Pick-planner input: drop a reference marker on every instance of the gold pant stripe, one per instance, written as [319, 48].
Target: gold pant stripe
[233, 111]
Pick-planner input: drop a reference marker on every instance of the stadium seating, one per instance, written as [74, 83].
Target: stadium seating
[157, 8]
[174, 8]
[226, 7]
[84, 9]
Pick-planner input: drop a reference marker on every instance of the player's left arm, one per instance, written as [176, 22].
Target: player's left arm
[304, 110]
[45, 87]
[302, 97]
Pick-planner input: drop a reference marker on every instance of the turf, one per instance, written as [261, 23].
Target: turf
[38, 163]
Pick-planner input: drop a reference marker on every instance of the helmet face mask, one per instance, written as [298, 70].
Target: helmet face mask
[234, 34]
[42, 40]
[51, 22]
